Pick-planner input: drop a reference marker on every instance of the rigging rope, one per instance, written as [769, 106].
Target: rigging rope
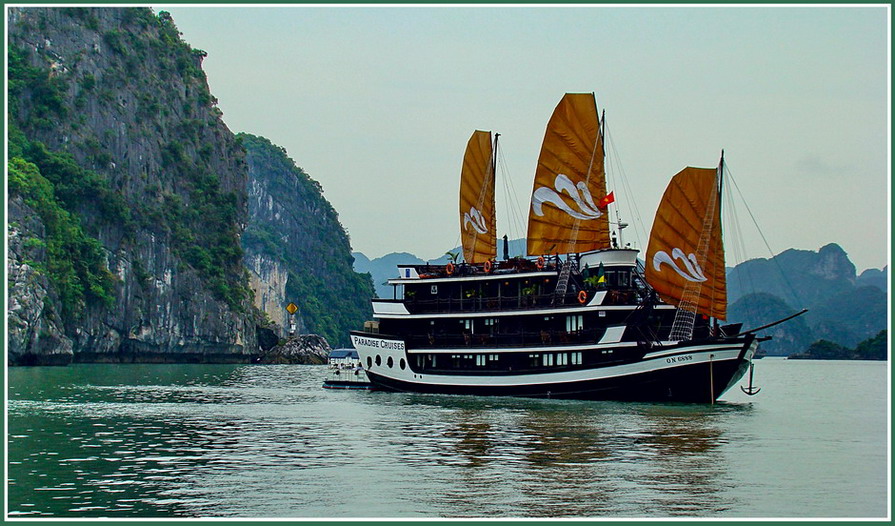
[614, 160]
[512, 209]
[772, 257]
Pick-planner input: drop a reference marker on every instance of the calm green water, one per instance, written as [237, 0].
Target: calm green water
[268, 441]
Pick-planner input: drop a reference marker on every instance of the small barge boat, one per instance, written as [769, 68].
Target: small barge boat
[346, 371]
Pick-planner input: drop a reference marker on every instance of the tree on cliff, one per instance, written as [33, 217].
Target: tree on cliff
[291, 222]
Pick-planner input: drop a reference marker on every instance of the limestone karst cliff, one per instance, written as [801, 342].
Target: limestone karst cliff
[139, 226]
[128, 197]
[296, 249]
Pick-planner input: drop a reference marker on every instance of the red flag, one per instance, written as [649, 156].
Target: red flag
[610, 198]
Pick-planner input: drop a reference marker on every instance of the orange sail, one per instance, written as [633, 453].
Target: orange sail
[477, 200]
[569, 181]
[685, 256]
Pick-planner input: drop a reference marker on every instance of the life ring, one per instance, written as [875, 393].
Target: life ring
[487, 266]
[450, 268]
[582, 297]
[540, 262]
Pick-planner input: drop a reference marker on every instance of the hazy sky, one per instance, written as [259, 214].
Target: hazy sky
[377, 103]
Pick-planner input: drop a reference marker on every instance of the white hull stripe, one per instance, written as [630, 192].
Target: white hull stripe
[667, 351]
[683, 359]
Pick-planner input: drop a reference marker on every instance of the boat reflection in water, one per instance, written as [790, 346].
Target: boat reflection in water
[572, 459]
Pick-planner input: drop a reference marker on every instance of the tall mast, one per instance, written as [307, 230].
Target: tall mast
[720, 179]
[603, 134]
[494, 158]
[494, 185]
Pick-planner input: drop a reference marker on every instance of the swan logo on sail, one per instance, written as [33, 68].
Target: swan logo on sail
[475, 218]
[691, 272]
[579, 193]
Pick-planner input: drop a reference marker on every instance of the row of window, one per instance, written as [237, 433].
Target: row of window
[484, 360]
[389, 363]
[574, 322]
[537, 359]
[549, 359]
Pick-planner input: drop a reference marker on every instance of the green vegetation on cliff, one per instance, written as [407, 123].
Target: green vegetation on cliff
[51, 97]
[291, 222]
[75, 261]
[127, 194]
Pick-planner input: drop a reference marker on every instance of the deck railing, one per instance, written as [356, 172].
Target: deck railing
[502, 303]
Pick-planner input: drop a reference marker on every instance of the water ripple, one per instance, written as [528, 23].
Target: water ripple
[267, 441]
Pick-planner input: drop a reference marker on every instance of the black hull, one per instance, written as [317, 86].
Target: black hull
[696, 383]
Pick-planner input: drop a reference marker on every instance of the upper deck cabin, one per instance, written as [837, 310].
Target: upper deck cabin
[514, 284]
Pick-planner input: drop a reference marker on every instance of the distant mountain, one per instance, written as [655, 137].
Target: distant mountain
[843, 308]
[875, 348]
[383, 268]
[386, 267]
[850, 316]
[798, 277]
[755, 310]
[875, 278]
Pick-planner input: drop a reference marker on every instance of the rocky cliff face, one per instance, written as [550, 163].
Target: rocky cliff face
[36, 334]
[267, 278]
[295, 233]
[304, 349]
[117, 93]
[832, 263]
[840, 309]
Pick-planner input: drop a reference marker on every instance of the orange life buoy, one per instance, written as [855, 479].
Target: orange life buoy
[582, 297]
[450, 268]
[487, 266]
[540, 261]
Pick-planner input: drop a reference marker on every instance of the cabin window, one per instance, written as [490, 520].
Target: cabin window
[433, 290]
[492, 357]
[403, 364]
[618, 278]
[534, 359]
[562, 358]
[547, 359]
[480, 360]
[576, 358]
[574, 323]
[378, 360]
[390, 363]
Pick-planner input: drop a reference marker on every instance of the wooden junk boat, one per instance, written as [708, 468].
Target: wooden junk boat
[585, 319]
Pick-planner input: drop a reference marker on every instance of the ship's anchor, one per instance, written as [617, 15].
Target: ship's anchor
[751, 391]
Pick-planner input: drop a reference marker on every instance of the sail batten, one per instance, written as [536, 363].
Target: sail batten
[569, 180]
[477, 210]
